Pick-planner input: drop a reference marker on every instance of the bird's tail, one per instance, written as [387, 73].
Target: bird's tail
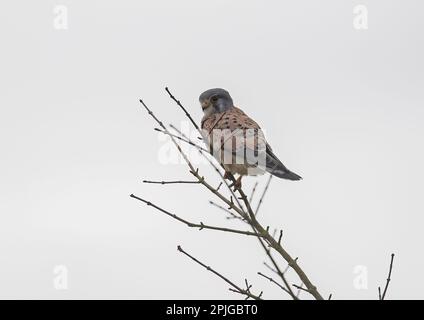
[284, 174]
[275, 167]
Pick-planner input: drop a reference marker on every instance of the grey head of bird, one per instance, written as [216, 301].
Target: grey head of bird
[215, 100]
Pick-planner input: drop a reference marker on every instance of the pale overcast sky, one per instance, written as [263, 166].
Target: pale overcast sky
[340, 106]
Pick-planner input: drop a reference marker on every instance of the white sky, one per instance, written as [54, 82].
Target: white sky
[341, 107]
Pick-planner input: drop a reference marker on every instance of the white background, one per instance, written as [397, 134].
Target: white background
[341, 107]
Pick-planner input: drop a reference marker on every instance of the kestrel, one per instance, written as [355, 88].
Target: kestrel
[237, 141]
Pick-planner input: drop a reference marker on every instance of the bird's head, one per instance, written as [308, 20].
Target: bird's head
[215, 101]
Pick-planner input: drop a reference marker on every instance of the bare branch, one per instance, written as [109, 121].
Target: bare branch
[219, 186]
[171, 182]
[288, 266]
[263, 195]
[188, 115]
[181, 133]
[279, 238]
[275, 282]
[382, 296]
[235, 288]
[182, 139]
[299, 291]
[276, 246]
[200, 225]
[253, 191]
[246, 213]
[277, 270]
[301, 288]
[232, 215]
[195, 172]
[271, 268]
[182, 107]
[239, 208]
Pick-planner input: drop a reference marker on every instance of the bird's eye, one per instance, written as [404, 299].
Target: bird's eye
[214, 98]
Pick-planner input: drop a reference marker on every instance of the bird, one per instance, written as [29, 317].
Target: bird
[236, 140]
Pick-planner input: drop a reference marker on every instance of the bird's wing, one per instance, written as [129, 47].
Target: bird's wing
[277, 168]
[272, 161]
[235, 135]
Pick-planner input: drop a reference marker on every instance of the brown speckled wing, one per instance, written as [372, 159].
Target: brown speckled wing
[235, 119]
[208, 122]
[244, 133]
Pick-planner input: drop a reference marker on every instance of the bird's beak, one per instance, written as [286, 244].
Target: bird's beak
[205, 104]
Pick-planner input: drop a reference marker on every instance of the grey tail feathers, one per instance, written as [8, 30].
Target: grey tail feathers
[284, 174]
[276, 168]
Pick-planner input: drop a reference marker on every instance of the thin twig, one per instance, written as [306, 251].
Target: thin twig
[288, 266]
[263, 195]
[235, 288]
[382, 296]
[181, 139]
[200, 225]
[299, 291]
[171, 182]
[273, 281]
[232, 215]
[241, 210]
[277, 268]
[253, 191]
[182, 107]
[301, 288]
[180, 132]
[278, 271]
[271, 268]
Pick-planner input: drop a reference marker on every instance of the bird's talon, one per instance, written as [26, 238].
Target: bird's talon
[237, 184]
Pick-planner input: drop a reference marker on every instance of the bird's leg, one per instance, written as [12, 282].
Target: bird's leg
[227, 175]
[237, 184]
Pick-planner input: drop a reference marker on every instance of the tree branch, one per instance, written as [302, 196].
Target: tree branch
[200, 225]
[171, 182]
[263, 195]
[181, 139]
[195, 172]
[235, 288]
[382, 296]
[277, 246]
[301, 288]
[231, 214]
[275, 282]
[246, 213]
[277, 270]
[182, 107]
[253, 191]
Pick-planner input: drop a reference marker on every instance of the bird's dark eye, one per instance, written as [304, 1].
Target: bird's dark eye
[214, 98]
